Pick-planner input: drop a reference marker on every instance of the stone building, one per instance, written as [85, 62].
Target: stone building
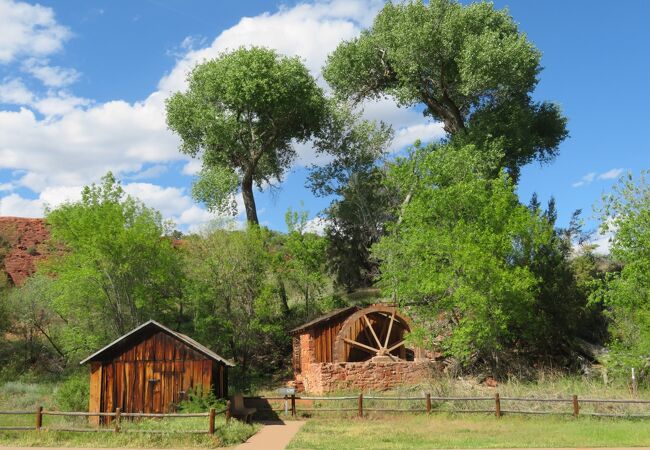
[359, 349]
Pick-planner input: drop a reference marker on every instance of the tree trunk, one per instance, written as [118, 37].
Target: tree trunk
[249, 200]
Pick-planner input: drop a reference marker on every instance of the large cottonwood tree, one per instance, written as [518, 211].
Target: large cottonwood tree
[242, 114]
[469, 66]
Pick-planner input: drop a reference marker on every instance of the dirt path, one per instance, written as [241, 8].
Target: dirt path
[273, 436]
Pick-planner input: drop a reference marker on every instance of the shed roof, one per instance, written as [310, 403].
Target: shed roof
[325, 318]
[153, 325]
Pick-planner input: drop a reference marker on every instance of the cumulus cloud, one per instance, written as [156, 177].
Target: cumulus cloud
[316, 225]
[51, 76]
[14, 92]
[29, 30]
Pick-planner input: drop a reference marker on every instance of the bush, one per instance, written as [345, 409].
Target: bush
[199, 400]
[74, 393]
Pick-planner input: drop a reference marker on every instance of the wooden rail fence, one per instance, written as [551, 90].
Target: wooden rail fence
[291, 406]
[116, 425]
[573, 405]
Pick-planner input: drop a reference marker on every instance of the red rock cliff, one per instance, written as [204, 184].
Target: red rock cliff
[22, 243]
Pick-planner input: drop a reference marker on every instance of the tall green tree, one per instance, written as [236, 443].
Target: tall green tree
[116, 268]
[304, 254]
[234, 305]
[626, 214]
[354, 176]
[242, 114]
[454, 255]
[469, 66]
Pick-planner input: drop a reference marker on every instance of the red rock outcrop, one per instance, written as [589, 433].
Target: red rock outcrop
[22, 243]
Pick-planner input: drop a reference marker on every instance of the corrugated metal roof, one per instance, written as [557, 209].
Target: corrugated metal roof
[325, 318]
[181, 337]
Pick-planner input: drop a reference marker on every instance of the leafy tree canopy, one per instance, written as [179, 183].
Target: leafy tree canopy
[626, 212]
[456, 252]
[355, 177]
[242, 113]
[116, 270]
[470, 67]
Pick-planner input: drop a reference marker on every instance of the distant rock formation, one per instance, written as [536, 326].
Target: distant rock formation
[23, 242]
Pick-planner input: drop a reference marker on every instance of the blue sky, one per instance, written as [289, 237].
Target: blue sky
[82, 88]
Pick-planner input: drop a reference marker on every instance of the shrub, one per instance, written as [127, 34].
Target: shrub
[74, 393]
[199, 400]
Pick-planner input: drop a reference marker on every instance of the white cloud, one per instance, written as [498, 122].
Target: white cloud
[151, 172]
[16, 205]
[192, 167]
[29, 30]
[51, 76]
[603, 243]
[59, 104]
[14, 92]
[592, 176]
[611, 174]
[586, 179]
[426, 132]
[316, 225]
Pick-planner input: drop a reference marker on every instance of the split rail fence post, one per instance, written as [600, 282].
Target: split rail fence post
[293, 405]
[211, 424]
[497, 405]
[39, 418]
[428, 403]
[361, 405]
[228, 411]
[117, 419]
[576, 406]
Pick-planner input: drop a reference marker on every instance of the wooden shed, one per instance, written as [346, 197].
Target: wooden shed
[151, 369]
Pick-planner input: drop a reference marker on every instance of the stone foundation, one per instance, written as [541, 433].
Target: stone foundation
[320, 378]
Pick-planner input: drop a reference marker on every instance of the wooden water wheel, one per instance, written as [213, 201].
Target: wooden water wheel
[374, 331]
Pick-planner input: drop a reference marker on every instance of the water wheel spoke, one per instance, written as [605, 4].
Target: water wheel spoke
[372, 330]
[390, 328]
[399, 344]
[361, 346]
[384, 326]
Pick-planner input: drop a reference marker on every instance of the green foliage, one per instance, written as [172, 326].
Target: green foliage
[74, 393]
[242, 113]
[626, 212]
[198, 400]
[34, 319]
[455, 251]
[470, 67]
[356, 216]
[117, 269]
[304, 258]
[232, 301]
[214, 187]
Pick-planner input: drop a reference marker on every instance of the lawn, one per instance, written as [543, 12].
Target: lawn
[469, 431]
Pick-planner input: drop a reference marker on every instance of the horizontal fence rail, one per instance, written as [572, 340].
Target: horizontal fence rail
[361, 404]
[310, 404]
[116, 425]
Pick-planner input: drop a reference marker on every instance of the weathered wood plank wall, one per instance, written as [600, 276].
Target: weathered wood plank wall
[152, 376]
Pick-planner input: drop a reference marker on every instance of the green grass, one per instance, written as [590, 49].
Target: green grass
[469, 431]
[27, 396]
[232, 433]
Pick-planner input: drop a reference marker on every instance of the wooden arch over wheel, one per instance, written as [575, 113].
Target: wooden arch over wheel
[374, 331]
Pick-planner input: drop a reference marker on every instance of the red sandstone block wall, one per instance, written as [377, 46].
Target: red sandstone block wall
[365, 376]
